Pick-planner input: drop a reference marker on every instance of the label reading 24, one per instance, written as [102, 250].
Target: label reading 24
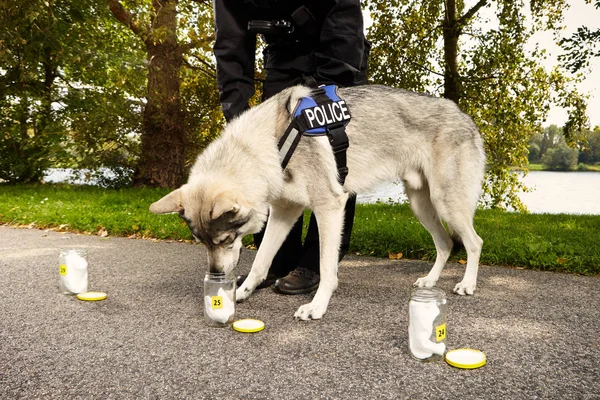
[440, 332]
[217, 301]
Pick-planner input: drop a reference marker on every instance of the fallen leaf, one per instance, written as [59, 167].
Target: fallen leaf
[461, 261]
[395, 256]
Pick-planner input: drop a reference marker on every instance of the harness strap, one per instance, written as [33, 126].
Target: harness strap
[339, 143]
[288, 143]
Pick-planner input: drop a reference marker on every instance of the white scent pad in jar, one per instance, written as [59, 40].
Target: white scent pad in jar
[74, 271]
[219, 308]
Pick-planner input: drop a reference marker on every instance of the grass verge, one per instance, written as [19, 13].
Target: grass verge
[565, 243]
[580, 168]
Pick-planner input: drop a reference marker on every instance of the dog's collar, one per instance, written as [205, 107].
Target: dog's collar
[322, 113]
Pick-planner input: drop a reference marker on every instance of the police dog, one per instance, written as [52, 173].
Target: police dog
[394, 134]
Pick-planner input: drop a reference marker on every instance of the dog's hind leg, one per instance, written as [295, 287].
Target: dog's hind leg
[420, 202]
[330, 221]
[280, 222]
[458, 208]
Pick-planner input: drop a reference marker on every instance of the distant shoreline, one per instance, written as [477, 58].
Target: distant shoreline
[580, 168]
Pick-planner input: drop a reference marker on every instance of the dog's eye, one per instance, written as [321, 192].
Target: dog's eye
[182, 216]
[225, 240]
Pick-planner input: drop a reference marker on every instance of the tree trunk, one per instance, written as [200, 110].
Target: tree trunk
[162, 152]
[451, 34]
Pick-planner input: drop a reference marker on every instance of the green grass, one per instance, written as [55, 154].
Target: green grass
[580, 168]
[88, 209]
[536, 167]
[566, 243]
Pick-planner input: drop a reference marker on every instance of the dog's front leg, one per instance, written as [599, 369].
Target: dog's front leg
[330, 221]
[280, 222]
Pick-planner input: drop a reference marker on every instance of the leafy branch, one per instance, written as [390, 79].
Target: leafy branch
[126, 18]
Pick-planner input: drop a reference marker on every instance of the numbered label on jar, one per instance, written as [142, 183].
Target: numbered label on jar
[217, 301]
[440, 332]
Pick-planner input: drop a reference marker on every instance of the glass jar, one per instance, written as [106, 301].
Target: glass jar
[219, 299]
[73, 272]
[427, 313]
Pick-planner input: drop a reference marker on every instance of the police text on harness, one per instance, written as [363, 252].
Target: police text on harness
[326, 114]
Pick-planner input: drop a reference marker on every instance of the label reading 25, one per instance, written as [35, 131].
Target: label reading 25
[217, 301]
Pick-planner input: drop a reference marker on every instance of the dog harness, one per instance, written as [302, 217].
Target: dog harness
[322, 113]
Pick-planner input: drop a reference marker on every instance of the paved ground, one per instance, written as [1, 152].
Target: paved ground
[540, 331]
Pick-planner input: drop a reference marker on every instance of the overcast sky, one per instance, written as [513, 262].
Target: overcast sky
[578, 14]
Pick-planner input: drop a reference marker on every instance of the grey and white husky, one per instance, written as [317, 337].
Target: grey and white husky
[394, 134]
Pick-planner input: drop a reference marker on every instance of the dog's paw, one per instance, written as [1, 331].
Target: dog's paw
[425, 282]
[465, 287]
[242, 293]
[311, 310]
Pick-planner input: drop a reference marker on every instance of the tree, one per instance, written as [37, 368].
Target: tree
[541, 142]
[561, 158]
[590, 154]
[582, 46]
[68, 88]
[441, 47]
[30, 56]
[163, 142]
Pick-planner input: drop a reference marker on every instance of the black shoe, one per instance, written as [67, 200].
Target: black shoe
[271, 278]
[299, 281]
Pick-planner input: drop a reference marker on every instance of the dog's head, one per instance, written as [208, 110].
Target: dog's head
[219, 221]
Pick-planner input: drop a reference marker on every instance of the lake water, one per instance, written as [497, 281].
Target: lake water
[553, 192]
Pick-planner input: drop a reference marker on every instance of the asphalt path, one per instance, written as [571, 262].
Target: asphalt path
[148, 340]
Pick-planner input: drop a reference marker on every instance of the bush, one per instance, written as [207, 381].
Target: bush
[561, 158]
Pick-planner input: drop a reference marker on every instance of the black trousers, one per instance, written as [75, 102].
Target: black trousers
[293, 253]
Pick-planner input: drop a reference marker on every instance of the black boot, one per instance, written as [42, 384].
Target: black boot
[299, 281]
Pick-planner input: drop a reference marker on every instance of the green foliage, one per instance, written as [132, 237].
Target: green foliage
[590, 153]
[581, 47]
[561, 158]
[69, 86]
[541, 142]
[73, 86]
[549, 147]
[501, 85]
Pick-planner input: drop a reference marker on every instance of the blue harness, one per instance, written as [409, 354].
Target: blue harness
[322, 113]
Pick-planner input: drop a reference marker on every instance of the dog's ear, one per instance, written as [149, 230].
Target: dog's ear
[223, 204]
[171, 203]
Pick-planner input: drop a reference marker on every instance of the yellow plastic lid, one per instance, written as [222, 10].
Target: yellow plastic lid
[91, 296]
[466, 358]
[248, 325]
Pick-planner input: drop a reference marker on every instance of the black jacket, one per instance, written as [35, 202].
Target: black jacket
[333, 50]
